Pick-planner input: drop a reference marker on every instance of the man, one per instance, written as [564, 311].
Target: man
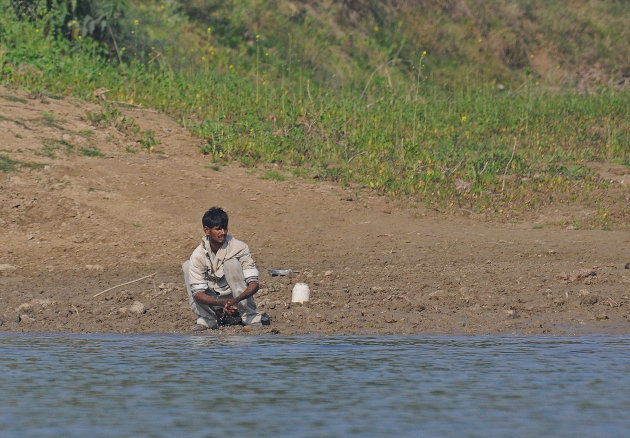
[221, 277]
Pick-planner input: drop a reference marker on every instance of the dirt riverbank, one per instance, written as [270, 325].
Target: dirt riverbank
[75, 223]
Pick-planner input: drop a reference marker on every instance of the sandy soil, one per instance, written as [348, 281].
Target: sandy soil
[81, 225]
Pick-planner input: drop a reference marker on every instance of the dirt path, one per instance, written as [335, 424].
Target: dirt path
[82, 224]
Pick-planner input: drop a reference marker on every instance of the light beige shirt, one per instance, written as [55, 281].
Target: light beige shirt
[206, 267]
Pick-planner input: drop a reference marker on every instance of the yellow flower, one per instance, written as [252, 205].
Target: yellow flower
[464, 118]
[375, 28]
[257, 37]
[231, 66]
[135, 22]
[209, 29]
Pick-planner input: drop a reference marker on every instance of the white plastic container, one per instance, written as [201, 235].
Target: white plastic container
[301, 293]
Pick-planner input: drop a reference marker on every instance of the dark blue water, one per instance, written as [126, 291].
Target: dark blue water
[215, 386]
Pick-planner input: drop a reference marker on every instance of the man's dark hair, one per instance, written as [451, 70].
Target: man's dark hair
[215, 217]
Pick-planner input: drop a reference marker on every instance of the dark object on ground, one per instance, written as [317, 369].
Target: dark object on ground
[281, 272]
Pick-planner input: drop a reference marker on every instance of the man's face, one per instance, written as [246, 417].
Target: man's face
[216, 234]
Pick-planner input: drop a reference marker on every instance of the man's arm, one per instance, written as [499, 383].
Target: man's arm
[230, 306]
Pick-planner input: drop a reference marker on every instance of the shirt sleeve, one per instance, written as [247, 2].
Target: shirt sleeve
[197, 272]
[250, 272]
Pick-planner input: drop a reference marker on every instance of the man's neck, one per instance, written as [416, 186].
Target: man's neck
[214, 247]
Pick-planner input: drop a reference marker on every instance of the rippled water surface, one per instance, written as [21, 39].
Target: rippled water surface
[215, 386]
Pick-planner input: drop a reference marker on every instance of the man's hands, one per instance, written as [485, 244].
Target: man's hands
[230, 306]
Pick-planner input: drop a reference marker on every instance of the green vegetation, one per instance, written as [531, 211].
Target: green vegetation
[7, 164]
[13, 98]
[474, 105]
[274, 175]
[148, 140]
[52, 145]
[92, 152]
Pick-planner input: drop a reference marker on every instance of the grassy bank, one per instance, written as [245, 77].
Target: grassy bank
[478, 135]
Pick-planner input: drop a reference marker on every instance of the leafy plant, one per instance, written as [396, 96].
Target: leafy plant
[148, 140]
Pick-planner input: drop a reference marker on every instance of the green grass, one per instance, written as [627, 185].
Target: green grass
[148, 140]
[459, 111]
[7, 164]
[11, 98]
[52, 120]
[274, 175]
[52, 145]
[92, 152]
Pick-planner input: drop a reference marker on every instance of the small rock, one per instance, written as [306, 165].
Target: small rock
[585, 273]
[328, 273]
[6, 269]
[138, 308]
[390, 319]
[25, 318]
[96, 268]
[588, 300]
[627, 266]
[24, 307]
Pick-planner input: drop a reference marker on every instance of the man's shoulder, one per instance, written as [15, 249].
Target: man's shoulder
[234, 242]
[199, 252]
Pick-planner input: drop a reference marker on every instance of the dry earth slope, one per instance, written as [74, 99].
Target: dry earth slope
[86, 208]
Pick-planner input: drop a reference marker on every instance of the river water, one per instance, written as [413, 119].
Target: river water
[212, 385]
